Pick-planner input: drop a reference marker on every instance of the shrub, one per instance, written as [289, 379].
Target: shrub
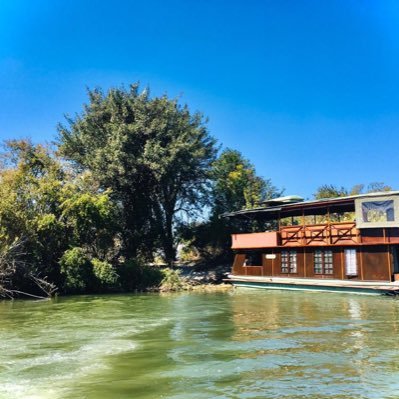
[134, 275]
[76, 269]
[171, 280]
[104, 272]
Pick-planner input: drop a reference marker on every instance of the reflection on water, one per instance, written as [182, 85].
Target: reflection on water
[242, 344]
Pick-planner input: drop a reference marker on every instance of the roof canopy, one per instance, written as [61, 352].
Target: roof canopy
[279, 209]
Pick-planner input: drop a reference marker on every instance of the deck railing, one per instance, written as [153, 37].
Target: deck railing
[344, 233]
[290, 236]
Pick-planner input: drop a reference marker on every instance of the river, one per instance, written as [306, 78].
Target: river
[240, 344]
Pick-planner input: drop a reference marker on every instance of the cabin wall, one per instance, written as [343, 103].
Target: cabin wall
[373, 263]
[376, 262]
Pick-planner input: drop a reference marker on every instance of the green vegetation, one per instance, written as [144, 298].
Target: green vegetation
[331, 191]
[130, 176]
[235, 186]
[152, 153]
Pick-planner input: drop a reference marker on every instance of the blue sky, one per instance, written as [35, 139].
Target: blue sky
[307, 90]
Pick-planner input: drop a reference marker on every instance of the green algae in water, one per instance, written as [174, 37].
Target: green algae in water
[240, 344]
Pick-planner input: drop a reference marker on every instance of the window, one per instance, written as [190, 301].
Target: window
[350, 262]
[253, 259]
[323, 261]
[288, 262]
[378, 211]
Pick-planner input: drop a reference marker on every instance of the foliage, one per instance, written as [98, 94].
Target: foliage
[11, 254]
[171, 280]
[50, 211]
[378, 187]
[154, 155]
[76, 269]
[104, 272]
[331, 191]
[136, 275]
[235, 186]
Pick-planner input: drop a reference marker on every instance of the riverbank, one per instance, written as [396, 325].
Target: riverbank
[191, 278]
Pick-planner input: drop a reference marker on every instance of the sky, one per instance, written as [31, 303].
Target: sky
[307, 90]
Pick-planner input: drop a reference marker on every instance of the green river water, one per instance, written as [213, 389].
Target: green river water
[240, 344]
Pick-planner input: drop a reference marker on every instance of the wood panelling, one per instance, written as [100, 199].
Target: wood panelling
[373, 262]
[268, 263]
[372, 236]
[254, 270]
[238, 267]
[376, 263]
[254, 240]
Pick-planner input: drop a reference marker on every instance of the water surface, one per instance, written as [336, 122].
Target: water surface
[243, 344]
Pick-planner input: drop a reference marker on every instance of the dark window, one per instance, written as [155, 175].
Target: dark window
[323, 261]
[253, 259]
[378, 211]
[288, 262]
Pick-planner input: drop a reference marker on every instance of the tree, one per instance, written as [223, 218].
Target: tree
[44, 212]
[236, 184]
[378, 187]
[152, 152]
[330, 191]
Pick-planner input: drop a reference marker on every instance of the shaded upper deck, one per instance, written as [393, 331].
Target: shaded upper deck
[354, 220]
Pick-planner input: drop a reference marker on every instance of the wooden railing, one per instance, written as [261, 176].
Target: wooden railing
[344, 233]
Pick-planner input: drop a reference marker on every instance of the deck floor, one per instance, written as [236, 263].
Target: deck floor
[386, 286]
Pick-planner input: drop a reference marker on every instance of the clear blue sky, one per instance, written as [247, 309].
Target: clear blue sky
[307, 90]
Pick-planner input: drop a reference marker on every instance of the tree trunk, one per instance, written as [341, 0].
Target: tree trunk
[167, 240]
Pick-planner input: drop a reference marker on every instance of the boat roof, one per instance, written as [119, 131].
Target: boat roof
[285, 209]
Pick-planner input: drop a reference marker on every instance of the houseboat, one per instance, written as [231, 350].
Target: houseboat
[336, 244]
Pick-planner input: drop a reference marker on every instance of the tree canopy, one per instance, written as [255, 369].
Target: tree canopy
[331, 191]
[46, 211]
[236, 185]
[153, 153]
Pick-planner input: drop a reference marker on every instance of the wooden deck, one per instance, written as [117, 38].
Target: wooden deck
[285, 283]
[325, 234]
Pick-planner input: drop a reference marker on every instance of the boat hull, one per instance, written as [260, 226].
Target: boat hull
[366, 288]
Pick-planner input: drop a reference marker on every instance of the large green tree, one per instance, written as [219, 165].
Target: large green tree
[153, 153]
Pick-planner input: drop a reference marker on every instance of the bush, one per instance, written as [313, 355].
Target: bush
[171, 280]
[134, 275]
[76, 269]
[104, 272]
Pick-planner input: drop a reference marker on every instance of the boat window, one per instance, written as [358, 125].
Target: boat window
[253, 259]
[323, 261]
[378, 211]
[350, 262]
[288, 261]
